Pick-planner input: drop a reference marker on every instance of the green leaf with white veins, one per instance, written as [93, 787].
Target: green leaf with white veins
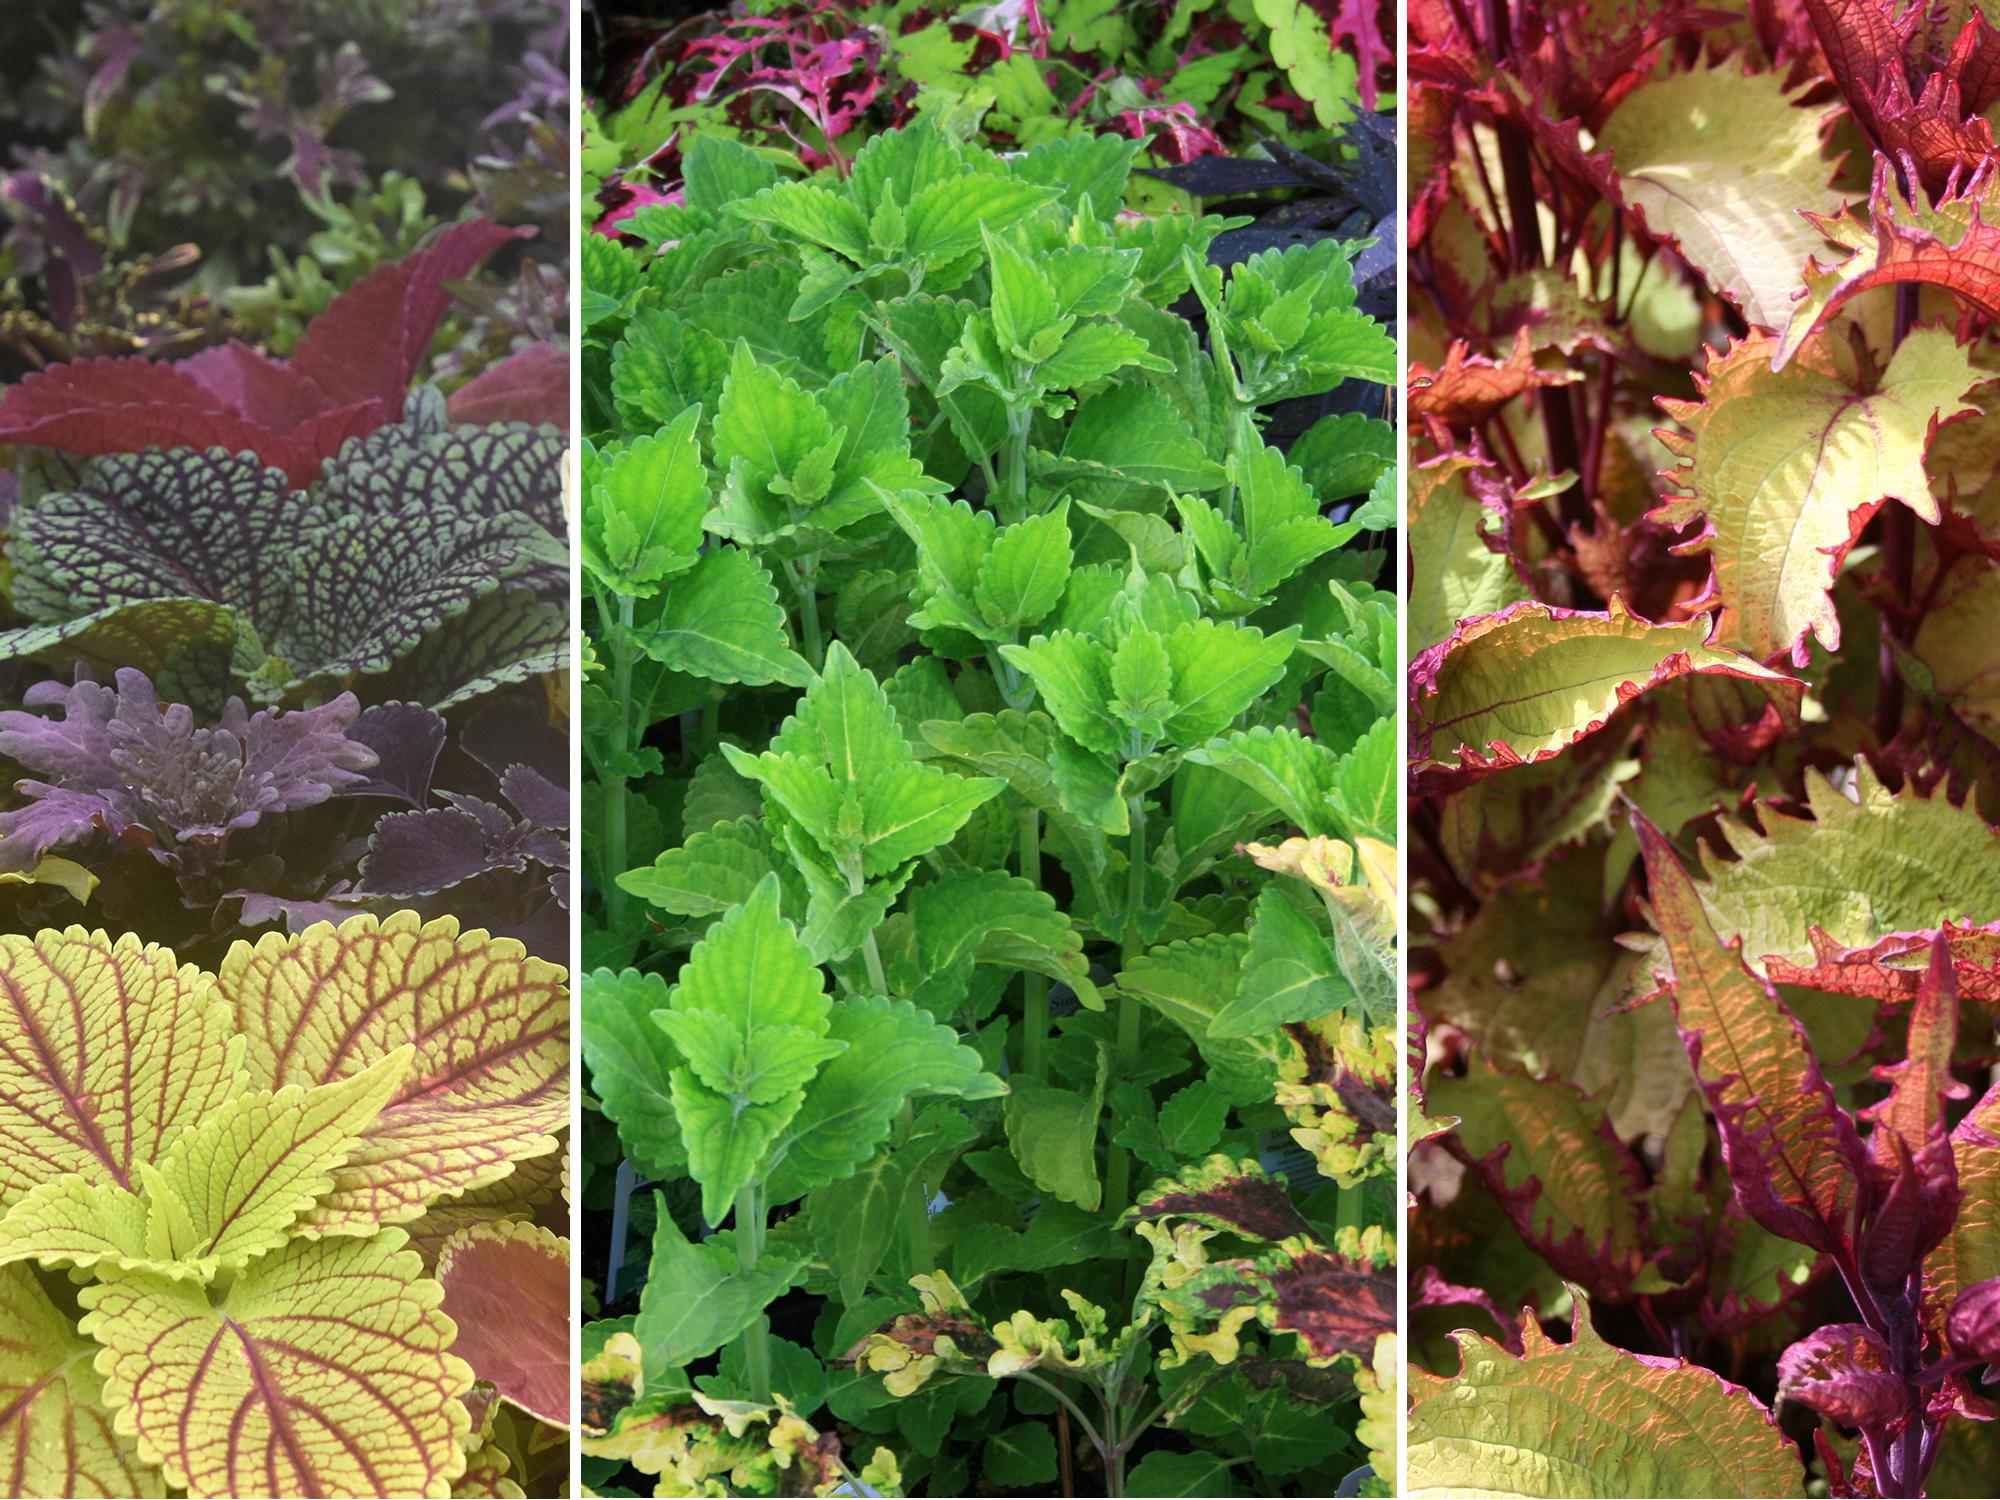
[751, 1016]
[644, 504]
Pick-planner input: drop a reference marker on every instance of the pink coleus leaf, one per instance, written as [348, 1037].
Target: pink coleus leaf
[1973, 1324]
[1843, 1372]
[349, 376]
[506, 1286]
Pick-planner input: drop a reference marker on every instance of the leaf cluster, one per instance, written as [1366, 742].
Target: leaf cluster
[955, 635]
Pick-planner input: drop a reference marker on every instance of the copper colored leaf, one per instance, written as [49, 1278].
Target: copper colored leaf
[1793, 1152]
[1525, 684]
[506, 1286]
[489, 1085]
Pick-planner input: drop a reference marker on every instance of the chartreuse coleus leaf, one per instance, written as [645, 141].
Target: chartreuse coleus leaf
[1834, 870]
[1793, 1153]
[56, 1432]
[749, 1019]
[1525, 684]
[114, 1051]
[1281, 529]
[914, 203]
[1586, 1418]
[989, 582]
[1722, 162]
[1053, 1133]
[226, 1191]
[1785, 468]
[644, 502]
[800, 464]
[489, 1086]
[322, 1368]
[841, 769]
[1284, 323]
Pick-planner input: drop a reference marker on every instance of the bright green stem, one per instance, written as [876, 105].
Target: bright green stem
[806, 584]
[1034, 987]
[1014, 505]
[615, 860]
[1350, 1208]
[750, 1250]
[1118, 1164]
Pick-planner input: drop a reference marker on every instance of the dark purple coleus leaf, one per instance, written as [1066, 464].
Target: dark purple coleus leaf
[350, 375]
[423, 853]
[1843, 1372]
[406, 739]
[142, 771]
[1335, 1305]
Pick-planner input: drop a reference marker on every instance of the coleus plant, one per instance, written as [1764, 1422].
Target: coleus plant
[1702, 767]
[284, 1228]
[954, 637]
[817, 80]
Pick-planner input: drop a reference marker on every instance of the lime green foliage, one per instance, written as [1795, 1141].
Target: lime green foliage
[954, 632]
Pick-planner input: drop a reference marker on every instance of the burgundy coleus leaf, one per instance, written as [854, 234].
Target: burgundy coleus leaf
[506, 1286]
[142, 771]
[1174, 132]
[1225, 1193]
[531, 385]
[1335, 1305]
[1359, 25]
[1973, 1324]
[349, 375]
[1794, 1155]
[1916, 1173]
[1843, 1372]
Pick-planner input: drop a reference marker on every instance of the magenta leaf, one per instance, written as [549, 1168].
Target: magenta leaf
[1842, 1371]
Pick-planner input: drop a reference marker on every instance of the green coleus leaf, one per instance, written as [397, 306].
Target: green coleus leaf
[631, 1065]
[643, 507]
[1785, 468]
[994, 918]
[854, 1221]
[1022, 578]
[751, 1018]
[841, 768]
[1289, 972]
[715, 870]
[1582, 1417]
[698, 1295]
[1457, 569]
[1288, 324]
[895, 1052]
[721, 620]
[807, 463]
[1053, 1134]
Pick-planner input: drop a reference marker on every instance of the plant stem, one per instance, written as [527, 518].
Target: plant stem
[750, 1250]
[1034, 987]
[615, 859]
[805, 582]
[1118, 1162]
[1014, 504]
[1899, 560]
